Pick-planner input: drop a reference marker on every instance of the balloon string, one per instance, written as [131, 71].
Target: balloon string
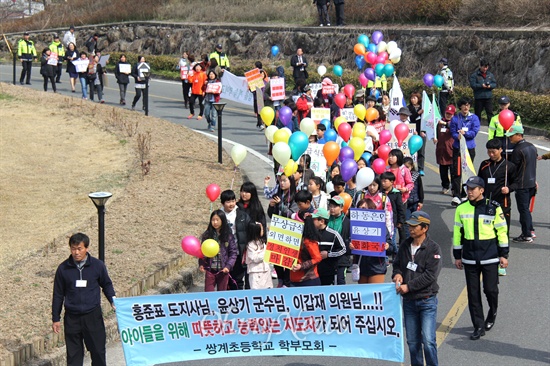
[229, 274]
[233, 180]
[211, 203]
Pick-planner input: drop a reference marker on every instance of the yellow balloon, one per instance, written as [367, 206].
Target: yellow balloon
[267, 114]
[281, 136]
[359, 130]
[360, 111]
[358, 146]
[210, 248]
[290, 168]
[338, 121]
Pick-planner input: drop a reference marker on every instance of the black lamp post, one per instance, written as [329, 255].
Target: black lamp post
[219, 108]
[99, 199]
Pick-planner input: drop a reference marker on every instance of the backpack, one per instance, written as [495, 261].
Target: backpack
[92, 71]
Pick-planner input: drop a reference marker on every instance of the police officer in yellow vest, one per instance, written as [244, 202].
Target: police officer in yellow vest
[26, 52]
[221, 58]
[480, 244]
[497, 131]
[57, 47]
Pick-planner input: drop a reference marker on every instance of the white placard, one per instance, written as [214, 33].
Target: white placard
[125, 68]
[81, 65]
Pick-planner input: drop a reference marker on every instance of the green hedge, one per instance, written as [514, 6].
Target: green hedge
[533, 109]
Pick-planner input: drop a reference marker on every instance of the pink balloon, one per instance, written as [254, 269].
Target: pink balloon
[379, 166]
[380, 59]
[363, 80]
[371, 58]
[349, 90]
[385, 137]
[192, 246]
[401, 133]
[384, 54]
[383, 152]
[344, 130]
[213, 192]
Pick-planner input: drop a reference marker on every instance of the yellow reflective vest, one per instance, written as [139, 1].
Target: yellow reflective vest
[57, 47]
[26, 50]
[480, 234]
[221, 58]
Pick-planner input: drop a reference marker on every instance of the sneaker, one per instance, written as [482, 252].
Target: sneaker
[28, 84]
[455, 202]
[211, 129]
[533, 235]
[501, 271]
[102, 101]
[199, 118]
[133, 107]
[190, 116]
[523, 239]
[328, 24]
[21, 83]
[445, 191]
[320, 25]
[421, 172]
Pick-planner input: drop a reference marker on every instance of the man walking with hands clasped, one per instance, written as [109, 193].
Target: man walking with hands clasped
[480, 244]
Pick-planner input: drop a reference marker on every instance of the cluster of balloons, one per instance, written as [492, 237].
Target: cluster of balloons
[380, 55]
[192, 246]
[431, 80]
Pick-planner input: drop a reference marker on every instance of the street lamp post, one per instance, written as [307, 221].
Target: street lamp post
[99, 199]
[219, 108]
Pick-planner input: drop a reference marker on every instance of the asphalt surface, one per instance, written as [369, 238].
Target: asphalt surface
[521, 334]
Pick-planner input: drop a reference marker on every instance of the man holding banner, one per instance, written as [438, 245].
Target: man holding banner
[415, 272]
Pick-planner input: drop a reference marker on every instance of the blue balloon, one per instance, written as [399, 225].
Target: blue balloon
[330, 135]
[367, 155]
[298, 144]
[338, 70]
[415, 143]
[274, 50]
[360, 62]
[343, 144]
[363, 39]
[325, 122]
[372, 48]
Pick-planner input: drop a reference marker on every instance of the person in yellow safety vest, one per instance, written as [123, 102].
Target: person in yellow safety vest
[221, 58]
[26, 52]
[497, 131]
[480, 244]
[57, 47]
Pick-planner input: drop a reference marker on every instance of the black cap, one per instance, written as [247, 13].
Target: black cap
[444, 61]
[474, 182]
[219, 46]
[26, 33]
[503, 100]
[370, 98]
[55, 35]
[71, 27]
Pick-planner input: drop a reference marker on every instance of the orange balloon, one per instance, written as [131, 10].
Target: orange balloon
[347, 201]
[359, 49]
[331, 151]
[372, 114]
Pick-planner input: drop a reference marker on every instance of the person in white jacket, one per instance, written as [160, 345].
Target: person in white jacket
[259, 273]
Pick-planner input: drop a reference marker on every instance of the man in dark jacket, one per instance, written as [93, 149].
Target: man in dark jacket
[482, 82]
[77, 284]
[525, 158]
[339, 222]
[238, 220]
[299, 65]
[415, 272]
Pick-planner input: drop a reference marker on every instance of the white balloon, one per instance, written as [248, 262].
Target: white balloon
[364, 177]
[270, 131]
[382, 46]
[371, 131]
[391, 46]
[393, 124]
[281, 153]
[395, 53]
[395, 60]
[238, 153]
[307, 126]
[321, 70]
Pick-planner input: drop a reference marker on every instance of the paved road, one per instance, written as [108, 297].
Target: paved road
[521, 334]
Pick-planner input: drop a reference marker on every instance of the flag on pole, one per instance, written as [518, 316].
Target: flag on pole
[467, 166]
[427, 122]
[396, 100]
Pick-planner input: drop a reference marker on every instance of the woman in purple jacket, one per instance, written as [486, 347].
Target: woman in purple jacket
[216, 270]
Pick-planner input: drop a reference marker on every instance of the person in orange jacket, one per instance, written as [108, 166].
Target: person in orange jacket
[198, 86]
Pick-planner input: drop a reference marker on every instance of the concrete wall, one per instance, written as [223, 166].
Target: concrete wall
[520, 58]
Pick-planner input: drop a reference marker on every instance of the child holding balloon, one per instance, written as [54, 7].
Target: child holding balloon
[218, 260]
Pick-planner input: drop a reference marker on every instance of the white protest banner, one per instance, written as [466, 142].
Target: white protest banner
[235, 88]
[466, 165]
[124, 68]
[319, 114]
[81, 65]
[318, 161]
[283, 241]
[348, 114]
[277, 86]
